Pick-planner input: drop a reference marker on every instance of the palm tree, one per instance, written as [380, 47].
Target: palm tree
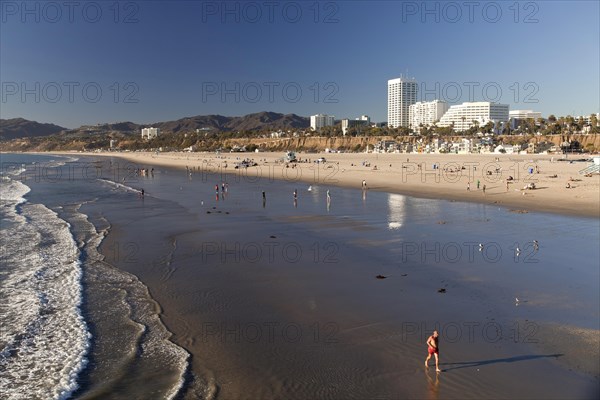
[541, 122]
[569, 120]
[488, 127]
[561, 124]
[593, 121]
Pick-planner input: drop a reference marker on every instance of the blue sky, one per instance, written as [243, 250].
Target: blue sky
[74, 63]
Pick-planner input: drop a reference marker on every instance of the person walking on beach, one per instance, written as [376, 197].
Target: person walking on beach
[478, 184]
[483, 189]
[433, 348]
[468, 186]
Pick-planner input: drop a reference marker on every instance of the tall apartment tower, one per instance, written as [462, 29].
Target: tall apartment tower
[402, 92]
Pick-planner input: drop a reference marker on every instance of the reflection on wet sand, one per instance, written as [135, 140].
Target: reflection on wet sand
[433, 384]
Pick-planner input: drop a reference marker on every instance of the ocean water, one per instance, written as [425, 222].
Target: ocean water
[110, 295]
[73, 325]
[44, 338]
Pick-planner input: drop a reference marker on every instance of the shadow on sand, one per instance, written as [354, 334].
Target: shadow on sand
[471, 364]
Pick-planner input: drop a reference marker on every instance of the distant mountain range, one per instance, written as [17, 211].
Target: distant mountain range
[20, 128]
[250, 122]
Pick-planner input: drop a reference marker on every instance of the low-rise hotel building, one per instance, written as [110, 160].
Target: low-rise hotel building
[461, 116]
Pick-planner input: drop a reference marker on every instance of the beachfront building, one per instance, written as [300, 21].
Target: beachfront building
[508, 149]
[462, 146]
[425, 113]
[364, 120]
[467, 146]
[463, 116]
[150, 133]
[386, 146]
[517, 117]
[402, 92]
[319, 121]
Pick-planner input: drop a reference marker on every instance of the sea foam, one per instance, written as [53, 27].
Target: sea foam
[44, 338]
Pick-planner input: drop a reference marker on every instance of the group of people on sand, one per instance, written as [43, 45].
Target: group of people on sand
[478, 185]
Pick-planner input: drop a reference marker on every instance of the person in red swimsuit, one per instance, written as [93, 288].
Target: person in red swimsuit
[433, 348]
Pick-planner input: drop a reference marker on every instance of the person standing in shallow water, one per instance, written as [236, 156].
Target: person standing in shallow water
[433, 348]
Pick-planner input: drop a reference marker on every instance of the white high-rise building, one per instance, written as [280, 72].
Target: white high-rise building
[425, 113]
[461, 116]
[402, 92]
[320, 120]
[150, 133]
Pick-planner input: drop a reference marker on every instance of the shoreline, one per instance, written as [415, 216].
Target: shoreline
[412, 175]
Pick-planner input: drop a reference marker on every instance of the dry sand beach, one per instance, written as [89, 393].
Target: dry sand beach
[414, 175]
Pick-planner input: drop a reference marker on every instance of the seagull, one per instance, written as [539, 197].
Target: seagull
[536, 245]
[518, 250]
[517, 299]
[310, 188]
[480, 247]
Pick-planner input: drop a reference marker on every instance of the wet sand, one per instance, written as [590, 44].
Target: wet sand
[413, 174]
[281, 300]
